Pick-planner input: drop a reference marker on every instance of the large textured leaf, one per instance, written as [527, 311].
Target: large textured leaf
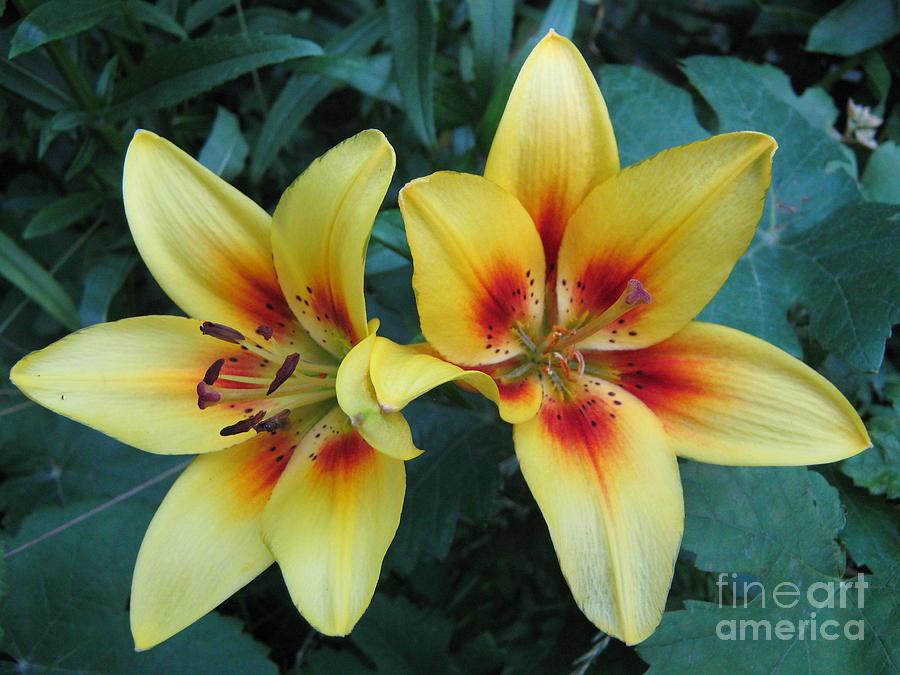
[413, 39]
[25, 273]
[50, 460]
[457, 474]
[177, 72]
[881, 180]
[67, 608]
[855, 26]
[648, 114]
[58, 19]
[878, 469]
[779, 525]
[800, 253]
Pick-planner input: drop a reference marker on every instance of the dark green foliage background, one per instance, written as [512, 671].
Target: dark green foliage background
[470, 585]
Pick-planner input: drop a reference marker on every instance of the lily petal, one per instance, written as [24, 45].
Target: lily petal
[730, 398]
[479, 267]
[677, 222]
[205, 541]
[136, 380]
[330, 521]
[520, 396]
[385, 430]
[555, 141]
[608, 486]
[401, 373]
[320, 231]
[205, 243]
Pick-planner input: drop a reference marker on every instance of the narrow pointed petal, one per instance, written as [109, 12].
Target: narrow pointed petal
[205, 541]
[136, 380]
[205, 243]
[607, 483]
[520, 395]
[729, 398]
[555, 141]
[320, 231]
[401, 373]
[677, 222]
[384, 429]
[479, 267]
[330, 521]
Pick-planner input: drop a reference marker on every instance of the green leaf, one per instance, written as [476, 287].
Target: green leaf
[560, 16]
[458, 474]
[102, 281]
[67, 612]
[225, 149]
[178, 72]
[399, 638]
[745, 520]
[302, 93]
[198, 13]
[492, 22]
[50, 460]
[388, 231]
[154, 16]
[801, 253]
[878, 468]
[778, 524]
[413, 40]
[32, 78]
[881, 179]
[26, 274]
[855, 26]
[58, 19]
[370, 75]
[648, 114]
[62, 213]
[872, 534]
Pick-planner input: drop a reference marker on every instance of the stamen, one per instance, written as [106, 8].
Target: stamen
[633, 295]
[244, 425]
[221, 332]
[212, 373]
[637, 294]
[273, 423]
[284, 372]
[265, 331]
[206, 397]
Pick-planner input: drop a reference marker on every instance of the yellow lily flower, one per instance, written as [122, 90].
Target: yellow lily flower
[268, 383]
[574, 284]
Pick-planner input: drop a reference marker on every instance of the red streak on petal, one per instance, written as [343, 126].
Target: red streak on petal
[343, 455]
[660, 377]
[259, 476]
[331, 310]
[504, 302]
[551, 224]
[584, 433]
[599, 285]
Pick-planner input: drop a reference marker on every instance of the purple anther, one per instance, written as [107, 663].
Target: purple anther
[265, 331]
[212, 373]
[221, 332]
[273, 423]
[287, 369]
[244, 425]
[637, 294]
[206, 396]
